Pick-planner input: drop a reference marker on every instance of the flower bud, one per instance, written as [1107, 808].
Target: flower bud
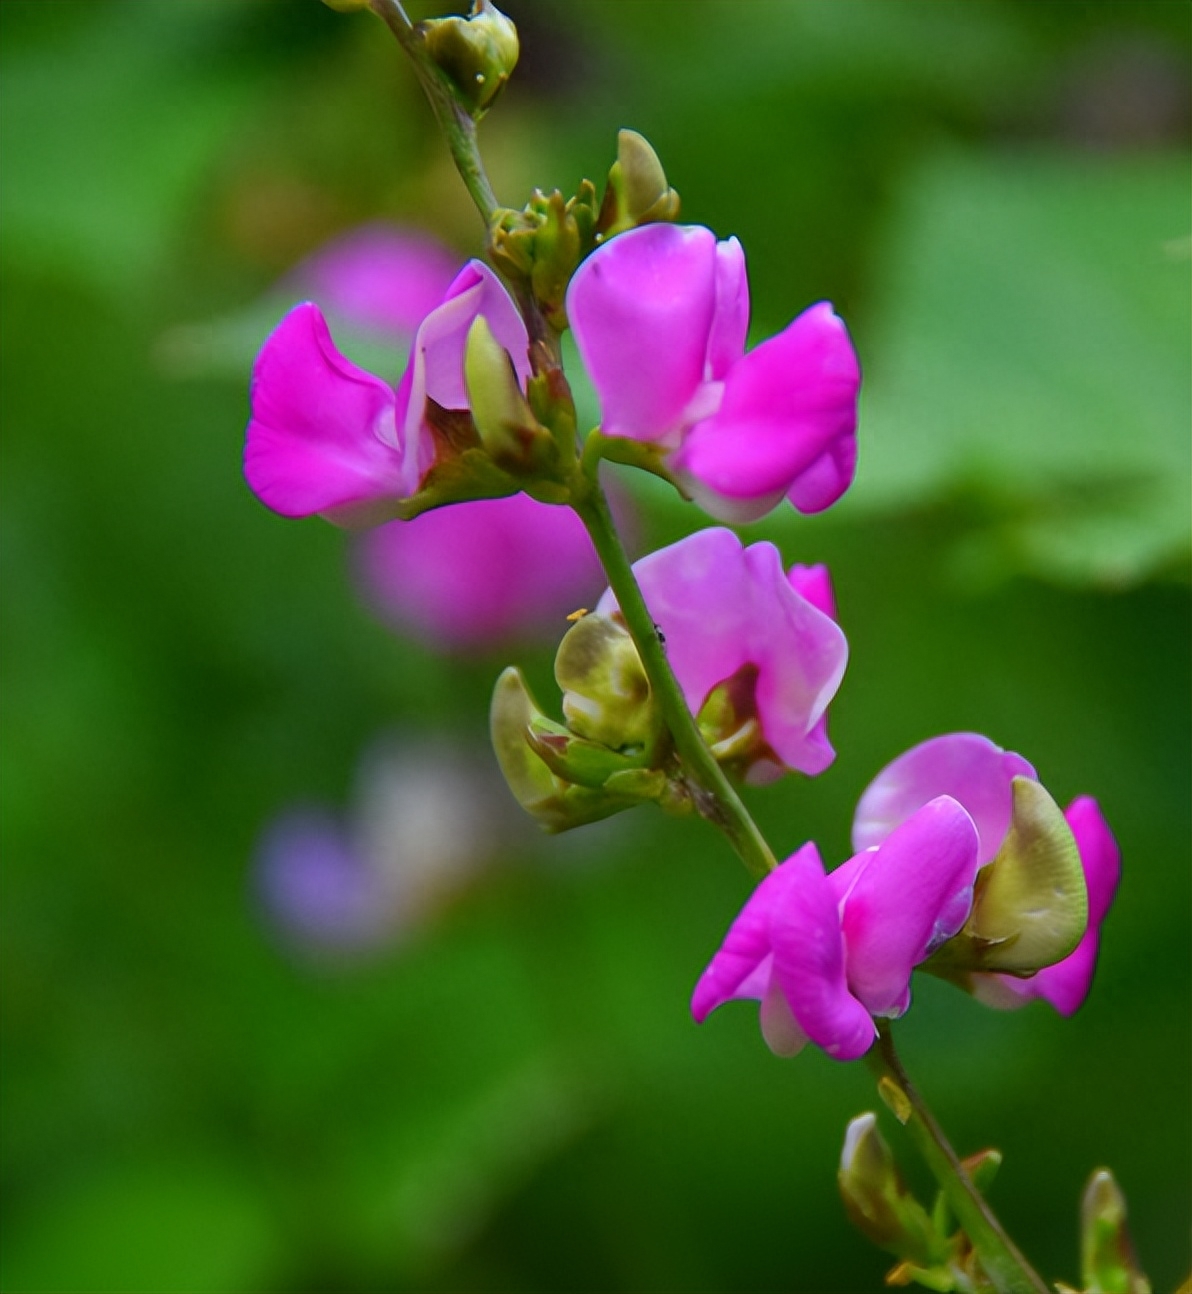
[1107, 1256]
[508, 430]
[877, 1200]
[637, 192]
[606, 695]
[478, 53]
[1030, 904]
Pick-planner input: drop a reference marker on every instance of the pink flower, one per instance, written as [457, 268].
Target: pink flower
[660, 315]
[825, 953]
[731, 617]
[978, 774]
[475, 574]
[327, 437]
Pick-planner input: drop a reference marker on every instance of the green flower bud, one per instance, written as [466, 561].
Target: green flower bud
[1107, 1256]
[478, 53]
[1030, 905]
[637, 191]
[877, 1200]
[606, 695]
[508, 430]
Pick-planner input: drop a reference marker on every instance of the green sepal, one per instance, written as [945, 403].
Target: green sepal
[633, 453]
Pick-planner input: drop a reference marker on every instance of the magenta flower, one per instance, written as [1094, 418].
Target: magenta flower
[475, 574]
[327, 437]
[978, 774]
[660, 315]
[824, 954]
[732, 618]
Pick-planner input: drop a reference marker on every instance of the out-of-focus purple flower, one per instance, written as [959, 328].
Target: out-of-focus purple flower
[327, 437]
[378, 278]
[1066, 984]
[660, 315]
[979, 774]
[732, 619]
[478, 574]
[425, 819]
[824, 954]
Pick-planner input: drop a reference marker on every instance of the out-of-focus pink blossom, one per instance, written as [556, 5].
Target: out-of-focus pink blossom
[474, 575]
[660, 314]
[327, 437]
[978, 774]
[731, 616]
[824, 954]
[379, 278]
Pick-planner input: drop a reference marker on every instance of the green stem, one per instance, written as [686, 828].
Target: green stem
[1000, 1256]
[714, 794]
[455, 122]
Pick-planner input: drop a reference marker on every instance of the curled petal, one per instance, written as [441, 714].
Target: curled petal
[964, 765]
[786, 405]
[323, 433]
[910, 894]
[809, 962]
[642, 308]
[730, 322]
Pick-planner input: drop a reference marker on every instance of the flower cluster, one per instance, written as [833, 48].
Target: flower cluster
[954, 838]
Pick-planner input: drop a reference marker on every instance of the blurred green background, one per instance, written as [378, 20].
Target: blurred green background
[513, 1097]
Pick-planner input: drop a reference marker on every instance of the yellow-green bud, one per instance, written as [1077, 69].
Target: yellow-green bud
[1031, 905]
[606, 695]
[1107, 1256]
[637, 192]
[478, 53]
[514, 439]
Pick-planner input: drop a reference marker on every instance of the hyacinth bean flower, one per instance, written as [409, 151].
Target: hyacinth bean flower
[476, 574]
[660, 315]
[824, 954]
[736, 624]
[979, 774]
[327, 437]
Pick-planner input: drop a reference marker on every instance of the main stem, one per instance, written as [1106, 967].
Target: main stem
[714, 794]
[1000, 1256]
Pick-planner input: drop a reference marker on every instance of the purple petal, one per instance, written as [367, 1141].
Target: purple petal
[964, 765]
[476, 574]
[911, 894]
[699, 594]
[323, 432]
[730, 322]
[815, 584]
[809, 961]
[820, 485]
[734, 972]
[1066, 984]
[377, 277]
[642, 308]
[785, 405]
[801, 655]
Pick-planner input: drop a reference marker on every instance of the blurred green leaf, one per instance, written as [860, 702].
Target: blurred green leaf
[1032, 347]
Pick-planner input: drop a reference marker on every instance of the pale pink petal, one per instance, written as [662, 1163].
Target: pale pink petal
[323, 433]
[912, 894]
[477, 574]
[734, 971]
[785, 405]
[641, 308]
[964, 765]
[730, 322]
[801, 655]
[819, 486]
[699, 595]
[809, 962]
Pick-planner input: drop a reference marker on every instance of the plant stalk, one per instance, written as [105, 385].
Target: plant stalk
[1001, 1258]
[714, 794]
